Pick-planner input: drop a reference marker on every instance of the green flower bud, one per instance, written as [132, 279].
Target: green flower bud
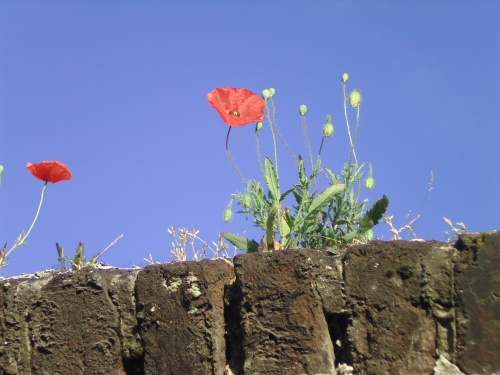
[370, 183]
[246, 200]
[303, 109]
[266, 94]
[1, 169]
[345, 77]
[369, 235]
[355, 98]
[272, 91]
[228, 215]
[259, 126]
[328, 128]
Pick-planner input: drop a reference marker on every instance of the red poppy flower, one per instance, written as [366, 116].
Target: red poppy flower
[237, 107]
[50, 171]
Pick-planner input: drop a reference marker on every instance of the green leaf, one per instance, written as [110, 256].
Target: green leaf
[286, 222]
[302, 171]
[79, 260]
[378, 210]
[317, 168]
[269, 240]
[351, 236]
[324, 199]
[313, 208]
[272, 180]
[250, 246]
[372, 217]
[283, 196]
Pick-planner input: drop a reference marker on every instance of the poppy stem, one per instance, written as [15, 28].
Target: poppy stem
[22, 239]
[231, 158]
[259, 154]
[235, 167]
[353, 143]
[272, 127]
[304, 127]
[272, 122]
[227, 138]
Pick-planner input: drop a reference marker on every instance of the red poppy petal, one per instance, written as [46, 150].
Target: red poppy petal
[237, 106]
[50, 171]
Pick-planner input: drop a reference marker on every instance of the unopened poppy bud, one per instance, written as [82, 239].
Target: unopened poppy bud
[1, 169]
[328, 129]
[355, 98]
[228, 215]
[60, 251]
[246, 201]
[345, 77]
[369, 235]
[303, 109]
[266, 94]
[259, 126]
[370, 183]
[272, 91]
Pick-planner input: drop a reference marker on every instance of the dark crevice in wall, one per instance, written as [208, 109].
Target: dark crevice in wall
[337, 327]
[235, 353]
[133, 366]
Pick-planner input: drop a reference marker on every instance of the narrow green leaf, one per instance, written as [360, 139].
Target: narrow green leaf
[316, 205]
[285, 220]
[272, 180]
[378, 209]
[250, 246]
[270, 225]
[302, 171]
[317, 168]
[324, 199]
[283, 196]
[372, 217]
[351, 236]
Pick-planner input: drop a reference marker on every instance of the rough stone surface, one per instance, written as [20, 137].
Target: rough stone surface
[284, 329]
[379, 308]
[478, 290]
[65, 323]
[181, 310]
[391, 330]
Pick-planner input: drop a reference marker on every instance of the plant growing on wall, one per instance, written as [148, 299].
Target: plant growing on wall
[48, 171]
[79, 261]
[301, 216]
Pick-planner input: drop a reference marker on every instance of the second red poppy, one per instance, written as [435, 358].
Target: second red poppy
[50, 171]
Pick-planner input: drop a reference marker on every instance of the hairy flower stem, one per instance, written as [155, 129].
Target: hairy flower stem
[227, 138]
[259, 154]
[304, 126]
[353, 151]
[231, 158]
[273, 124]
[356, 134]
[22, 239]
[235, 166]
[321, 146]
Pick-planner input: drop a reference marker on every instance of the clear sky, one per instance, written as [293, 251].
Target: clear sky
[117, 90]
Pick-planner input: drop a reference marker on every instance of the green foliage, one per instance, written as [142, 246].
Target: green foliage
[314, 218]
[79, 261]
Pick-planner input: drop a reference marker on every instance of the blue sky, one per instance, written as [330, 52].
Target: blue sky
[117, 90]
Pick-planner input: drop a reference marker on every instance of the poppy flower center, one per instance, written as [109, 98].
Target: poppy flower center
[234, 113]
